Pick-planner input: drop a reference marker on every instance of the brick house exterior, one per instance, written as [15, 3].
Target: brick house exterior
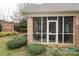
[63, 11]
[7, 26]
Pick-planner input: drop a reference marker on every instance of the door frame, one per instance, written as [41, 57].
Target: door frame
[48, 21]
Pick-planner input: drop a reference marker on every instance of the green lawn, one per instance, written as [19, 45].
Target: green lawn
[4, 51]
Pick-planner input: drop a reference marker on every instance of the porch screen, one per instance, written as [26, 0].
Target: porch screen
[39, 29]
[65, 29]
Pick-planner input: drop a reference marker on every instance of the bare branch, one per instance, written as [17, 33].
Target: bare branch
[18, 14]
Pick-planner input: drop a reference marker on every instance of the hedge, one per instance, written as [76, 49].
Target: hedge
[7, 33]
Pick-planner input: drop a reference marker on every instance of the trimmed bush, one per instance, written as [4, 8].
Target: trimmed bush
[17, 42]
[7, 33]
[14, 33]
[36, 49]
[2, 34]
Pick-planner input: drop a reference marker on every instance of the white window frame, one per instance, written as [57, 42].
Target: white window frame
[56, 22]
[66, 33]
[56, 31]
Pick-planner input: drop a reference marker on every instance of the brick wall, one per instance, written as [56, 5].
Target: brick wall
[77, 32]
[7, 26]
[29, 30]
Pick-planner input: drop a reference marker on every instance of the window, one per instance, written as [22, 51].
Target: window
[68, 38]
[37, 29]
[52, 38]
[37, 25]
[68, 24]
[60, 29]
[44, 34]
[65, 29]
[60, 24]
[68, 29]
[44, 25]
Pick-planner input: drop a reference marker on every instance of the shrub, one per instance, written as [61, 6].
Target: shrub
[36, 49]
[73, 49]
[14, 33]
[16, 42]
[10, 33]
[7, 33]
[2, 34]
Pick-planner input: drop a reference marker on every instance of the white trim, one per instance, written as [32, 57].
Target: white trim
[55, 43]
[41, 29]
[47, 31]
[63, 30]
[52, 20]
[56, 22]
[57, 31]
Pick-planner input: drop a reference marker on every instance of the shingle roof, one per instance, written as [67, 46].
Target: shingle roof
[31, 7]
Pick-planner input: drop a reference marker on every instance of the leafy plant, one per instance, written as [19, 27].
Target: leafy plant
[36, 49]
[73, 49]
[7, 33]
[2, 34]
[21, 26]
[17, 42]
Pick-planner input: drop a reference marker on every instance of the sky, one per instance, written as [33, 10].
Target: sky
[7, 9]
[9, 6]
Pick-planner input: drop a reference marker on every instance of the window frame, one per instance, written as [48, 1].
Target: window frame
[63, 24]
[58, 32]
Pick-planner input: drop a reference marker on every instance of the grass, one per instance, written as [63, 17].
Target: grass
[4, 51]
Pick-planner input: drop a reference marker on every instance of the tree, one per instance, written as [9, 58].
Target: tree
[17, 27]
[19, 18]
[18, 14]
[0, 27]
[23, 25]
